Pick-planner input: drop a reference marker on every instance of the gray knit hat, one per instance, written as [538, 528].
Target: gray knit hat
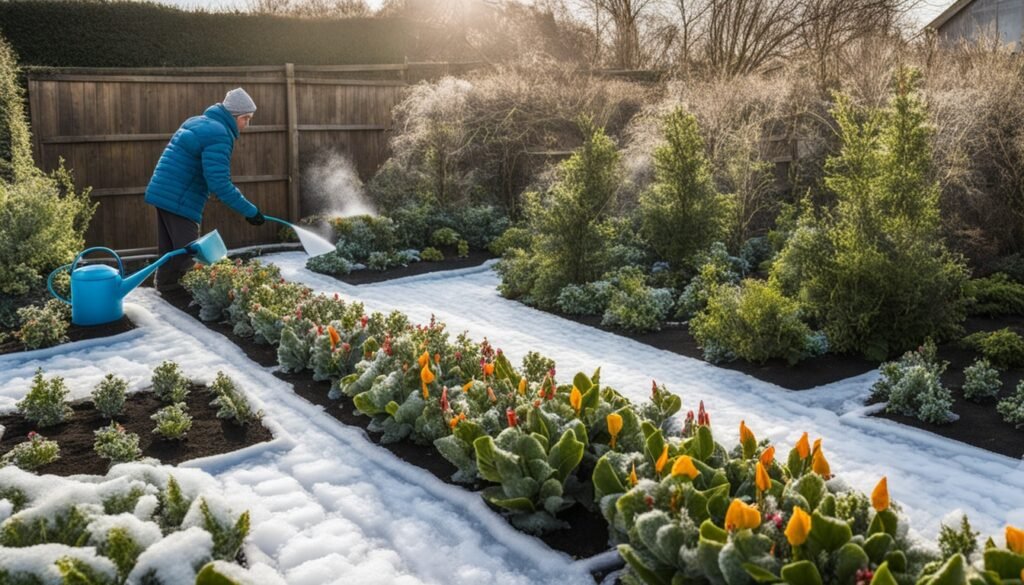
[238, 102]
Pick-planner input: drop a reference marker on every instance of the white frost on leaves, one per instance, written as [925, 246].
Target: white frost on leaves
[143, 533]
[40, 561]
[172, 559]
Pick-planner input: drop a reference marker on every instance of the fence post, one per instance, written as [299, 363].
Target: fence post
[294, 211]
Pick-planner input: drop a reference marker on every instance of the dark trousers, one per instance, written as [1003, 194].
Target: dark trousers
[173, 232]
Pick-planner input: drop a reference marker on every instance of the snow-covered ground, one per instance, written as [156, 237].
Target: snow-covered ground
[329, 506]
[932, 477]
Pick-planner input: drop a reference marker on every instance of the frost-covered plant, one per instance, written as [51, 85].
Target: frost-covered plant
[445, 237]
[1004, 348]
[981, 381]
[953, 541]
[169, 384]
[634, 306]
[211, 287]
[361, 235]
[330, 263]
[913, 386]
[379, 261]
[46, 401]
[536, 366]
[1012, 407]
[32, 454]
[116, 444]
[431, 254]
[43, 326]
[716, 267]
[591, 298]
[172, 422]
[227, 537]
[109, 395]
[230, 401]
[269, 304]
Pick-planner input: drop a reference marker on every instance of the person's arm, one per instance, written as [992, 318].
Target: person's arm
[217, 170]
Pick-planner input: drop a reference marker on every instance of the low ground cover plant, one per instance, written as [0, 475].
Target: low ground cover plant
[1012, 407]
[43, 325]
[46, 401]
[995, 295]
[32, 454]
[116, 444]
[1004, 348]
[109, 395]
[981, 381]
[172, 422]
[231, 403]
[912, 386]
[169, 384]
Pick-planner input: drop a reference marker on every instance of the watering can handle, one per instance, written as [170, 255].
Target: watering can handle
[120, 267]
[49, 283]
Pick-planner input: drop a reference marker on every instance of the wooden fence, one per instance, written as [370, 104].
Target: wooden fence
[111, 125]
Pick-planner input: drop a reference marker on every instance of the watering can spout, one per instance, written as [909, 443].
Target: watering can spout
[207, 250]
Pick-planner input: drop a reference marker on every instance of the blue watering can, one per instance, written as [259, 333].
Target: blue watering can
[98, 291]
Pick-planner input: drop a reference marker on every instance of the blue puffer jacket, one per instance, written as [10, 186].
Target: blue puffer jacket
[197, 162]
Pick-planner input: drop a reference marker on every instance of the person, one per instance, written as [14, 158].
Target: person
[196, 163]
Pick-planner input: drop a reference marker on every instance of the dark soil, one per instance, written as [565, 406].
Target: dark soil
[810, 373]
[589, 533]
[979, 424]
[78, 333]
[209, 435]
[450, 262]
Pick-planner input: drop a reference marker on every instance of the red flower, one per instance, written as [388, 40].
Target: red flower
[32, 434]
[511, 416]
[363, 320]
[444, 400]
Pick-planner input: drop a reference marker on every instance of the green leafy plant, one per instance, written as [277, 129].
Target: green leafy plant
[591, 298]
[995, 295]
[172, 422]
[981, 381]
[716, 267]
[169, 384]
[43, 326]
[330, 263]
[109, 395]
[445, 236]
[230, 401]
[633, 305]
[1004, 348]
[431, 255]
[32, 454]
[116, 444]
[1012, 407]
[913, 386]
[173, 506]
[463, 249]
[227, 538]
[46, 401]
[963, 541]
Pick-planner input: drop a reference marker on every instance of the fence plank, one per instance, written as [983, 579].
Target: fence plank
[294, 212]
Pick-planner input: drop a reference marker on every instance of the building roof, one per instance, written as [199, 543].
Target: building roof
[948, 13]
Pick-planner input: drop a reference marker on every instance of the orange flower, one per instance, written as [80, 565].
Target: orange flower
[614, 421]
[880, 495]
[662, 460]
[522, 386]
[335, 337]
[799, 527]
[632, 476]
[817, 446]
[467, 386]
[820, 465]
[426, 377]
[767, 456]
[740, 516]
[576, 399]
[488, 369]
[456, 420]
[424, 359]
[761, 478]
[490, 394]
[1015, 539]
[684, 466]
[746, 435]
[803, 447]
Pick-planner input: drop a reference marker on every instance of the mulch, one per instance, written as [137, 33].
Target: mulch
[450, 262]
[209, 435]
[78, 333]
[979, 424]
[588, 534]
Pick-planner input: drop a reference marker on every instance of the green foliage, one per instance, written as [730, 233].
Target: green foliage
[108, 396]
[716, 267]
[570, 224]
[119, 547]
[173, 506]
[209, 575]
[536, 367]
[682, 213]
[15, 139]
[43, 326]
[46, 401]
[189, 38]
[42, 226]
[331, 263]
[1012, 407]
[169, 384]
[874, 270]
[431, 255]
[995, 295]
[120, 503]
[463, 249]
[78, 572]
[172, 422]
[591, 298]
[227, 539]
[1004, 348]
[230, 401]
[66, 526]
[32, 454]
[480, 225]
[515, 237]
[116, 444]
[913, 386]
[633, 305]
[981, 381]
[445, 236]
[752, 321]
[953, 541]
[359, 236]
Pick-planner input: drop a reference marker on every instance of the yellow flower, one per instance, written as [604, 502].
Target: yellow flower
[799, 527]
[576, 399]
[456, 420]
[761, 478]
[767, 456]
[740, 516]
[424, 359]
[880, 495]
[684, 466]
[803, 447]
[820, 465]
[662, 460]
[1015, 539]
[522, 386]
[468, 385]
[632, 476]
[426, 377]
[614, 421]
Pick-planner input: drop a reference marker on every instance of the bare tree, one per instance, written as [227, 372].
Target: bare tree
[311, 8]
[626, 16]
[691, 31]
[743, 35]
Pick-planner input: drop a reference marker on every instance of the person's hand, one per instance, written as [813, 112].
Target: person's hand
[257, 219]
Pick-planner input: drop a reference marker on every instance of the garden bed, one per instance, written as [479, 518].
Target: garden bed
[810, 373]
[979, 425]
[78, 333]
[588, 535]
[450, 262]
[209, 435]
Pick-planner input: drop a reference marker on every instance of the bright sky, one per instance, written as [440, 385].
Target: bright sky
[928, 9]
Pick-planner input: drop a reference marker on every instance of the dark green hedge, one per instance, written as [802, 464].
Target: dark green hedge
[66, 33]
